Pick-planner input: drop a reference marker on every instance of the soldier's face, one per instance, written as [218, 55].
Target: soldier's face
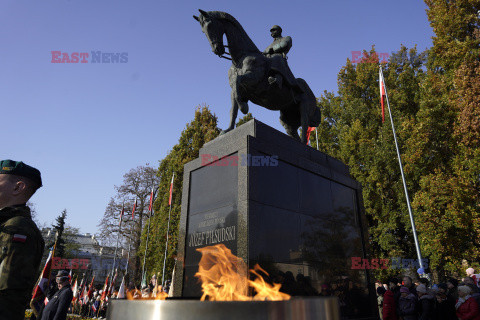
[13, 190]
[7, 187]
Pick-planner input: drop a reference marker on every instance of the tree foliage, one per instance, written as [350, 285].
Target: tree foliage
[352, 131]
[59, 227]
[436, 112]
[137, 184]
[200, 130]
[244, 119]
[448, 202]
[65, 237]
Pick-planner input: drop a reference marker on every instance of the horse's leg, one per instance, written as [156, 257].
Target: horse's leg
[303, 105]
[292, 131]
[233, 112]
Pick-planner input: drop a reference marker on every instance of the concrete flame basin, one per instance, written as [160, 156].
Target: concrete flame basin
[295, 309]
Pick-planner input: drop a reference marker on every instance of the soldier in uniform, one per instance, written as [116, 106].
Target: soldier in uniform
[21, 243]
[277, 51]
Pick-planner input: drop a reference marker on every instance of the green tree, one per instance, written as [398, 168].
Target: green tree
[244, 119]
[447, 139]
[200, 130]
[436, 111]
[59, 228]
[352, 131]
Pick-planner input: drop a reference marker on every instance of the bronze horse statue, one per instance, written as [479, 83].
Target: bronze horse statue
[248, 77]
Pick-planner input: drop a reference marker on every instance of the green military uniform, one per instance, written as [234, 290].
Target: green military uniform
[21, 249]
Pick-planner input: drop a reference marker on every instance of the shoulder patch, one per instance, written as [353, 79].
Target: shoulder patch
[19, 238]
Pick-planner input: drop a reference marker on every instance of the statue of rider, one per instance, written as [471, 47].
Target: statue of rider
[277, 51]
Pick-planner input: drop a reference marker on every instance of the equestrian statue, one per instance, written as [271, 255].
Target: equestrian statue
[263, 78]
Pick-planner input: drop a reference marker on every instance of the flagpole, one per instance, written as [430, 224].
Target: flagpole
[414, 230]
[118, 237]
[316, 134]
[168, 230]
[128, 257]
[148, 236]
[132, 234]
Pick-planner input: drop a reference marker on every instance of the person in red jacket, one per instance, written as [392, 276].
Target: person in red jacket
[389, 310]
[467, 307]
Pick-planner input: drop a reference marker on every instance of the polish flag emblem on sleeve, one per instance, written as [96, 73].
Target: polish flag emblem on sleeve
[19, 238]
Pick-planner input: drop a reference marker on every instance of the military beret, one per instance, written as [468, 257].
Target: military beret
[19, 168]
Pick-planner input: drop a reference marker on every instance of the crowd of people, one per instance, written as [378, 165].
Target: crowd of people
[62, 300]
[419, 300]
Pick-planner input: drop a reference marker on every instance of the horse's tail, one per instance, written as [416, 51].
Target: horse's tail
[314, 114]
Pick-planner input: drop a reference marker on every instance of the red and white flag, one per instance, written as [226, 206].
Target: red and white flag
[105, 289]
[121, 290]
[19, 238]
[151, 202]
[309, 131]
[382, 93]
[134, 208]
[75, 290]
[121, 214]
[171, 191]
[83, 296]
[39, 292]
[89, 294]
[111, 288]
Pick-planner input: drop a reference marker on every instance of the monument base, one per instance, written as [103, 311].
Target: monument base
[286, 206]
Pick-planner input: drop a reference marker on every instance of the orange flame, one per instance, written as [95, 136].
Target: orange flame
[157, 294]
[224, 278]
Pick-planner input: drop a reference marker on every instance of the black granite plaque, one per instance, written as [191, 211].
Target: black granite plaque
[292, 209]
[212, 216]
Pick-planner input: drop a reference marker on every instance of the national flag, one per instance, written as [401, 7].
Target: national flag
[90, 290]
[121, 214]
[75, 290]
[171, 191]
[309, 131]
[19, 238]
[39, 292]
[70, 275]
[84, 295]
[121, 290]
[151, 202]
[105, 289]
[112, 284]
[134, 208]
[80, 290]
[382, 93]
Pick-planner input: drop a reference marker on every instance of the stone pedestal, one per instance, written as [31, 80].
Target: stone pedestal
[274, 201]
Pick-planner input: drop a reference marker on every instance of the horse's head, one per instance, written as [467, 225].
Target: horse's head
[213, 29]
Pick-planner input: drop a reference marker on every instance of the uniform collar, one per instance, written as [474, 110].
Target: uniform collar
[14, 211]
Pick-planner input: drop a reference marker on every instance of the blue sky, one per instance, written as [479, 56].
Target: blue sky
[84, 125]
